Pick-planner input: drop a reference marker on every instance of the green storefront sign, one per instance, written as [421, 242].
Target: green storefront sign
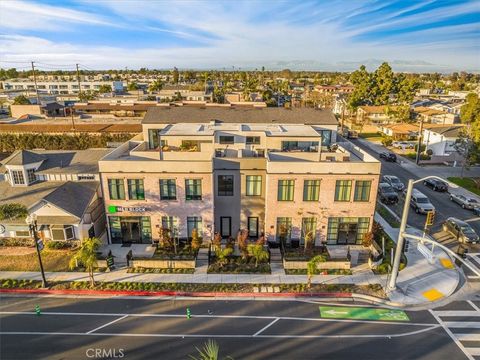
[362, 313]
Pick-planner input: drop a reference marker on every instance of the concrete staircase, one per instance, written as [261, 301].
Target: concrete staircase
[276, 262]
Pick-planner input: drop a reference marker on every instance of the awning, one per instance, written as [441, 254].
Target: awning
[57, 220]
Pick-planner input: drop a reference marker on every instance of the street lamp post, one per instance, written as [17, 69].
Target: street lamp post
[31, 221]
[392, 285]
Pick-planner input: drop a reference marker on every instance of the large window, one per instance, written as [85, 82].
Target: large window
[254, 185]
[252, 223]
[311, 190]
[170, 223]
[194, 222]
[227, 139]
[193, 189]
[17, 177]
[31, 176]
[285, 190]
[225, 185]
[284, 228]
[168, 189]
[343, 190]
[326, 137]
[347, 230]
[116, 189]
[252, 140]
[309, 228]
[64, 232]
[135, 189]
[153, 138]
[362, 190]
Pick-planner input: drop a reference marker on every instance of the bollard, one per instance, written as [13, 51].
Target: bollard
[189, 314]
[37, 310]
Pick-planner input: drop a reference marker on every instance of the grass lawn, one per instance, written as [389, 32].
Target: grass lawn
[53, 260]
[371, 136]
[467, 183]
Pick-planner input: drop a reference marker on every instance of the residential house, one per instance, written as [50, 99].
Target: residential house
[441, 139]
[401, 131]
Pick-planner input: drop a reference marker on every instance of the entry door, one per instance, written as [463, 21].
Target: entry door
[131, 231]
[347, 233]
[226, 226]
[253, 227]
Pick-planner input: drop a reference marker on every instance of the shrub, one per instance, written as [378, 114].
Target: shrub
[387, 141]
[367, 239]
[16, 242]
[196, 241]
[58, 245]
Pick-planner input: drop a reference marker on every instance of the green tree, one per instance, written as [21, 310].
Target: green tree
[87, 257]
[156, 85]
[258, 252]
[84, 96]
[132, 86]
[105, 88]
[196, 240]
[363, 83]
[383, 85]
[21, 100]
[176, 75]
[13, 211]
[312, 267]
[470, 115]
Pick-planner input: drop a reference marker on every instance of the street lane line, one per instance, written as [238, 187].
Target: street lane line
[473, 351]
[109, 323]
[223, 317]
[452, 336]
[468, 337]
[444, 313]
[462, 324]
[382, 336]
[266, 327]
[472, 304]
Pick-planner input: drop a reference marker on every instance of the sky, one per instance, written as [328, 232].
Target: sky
[420, 35]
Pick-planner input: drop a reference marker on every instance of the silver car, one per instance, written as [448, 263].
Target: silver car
[464, 201]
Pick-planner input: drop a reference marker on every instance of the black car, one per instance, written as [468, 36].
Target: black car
[436, 185]
[387, 194]
[388, 156]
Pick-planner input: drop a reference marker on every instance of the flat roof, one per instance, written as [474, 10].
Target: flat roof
[238, 114]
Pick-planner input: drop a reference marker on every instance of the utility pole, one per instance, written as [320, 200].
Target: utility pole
[73, 120]
[78, 80]
[420, 135]
[35, 81]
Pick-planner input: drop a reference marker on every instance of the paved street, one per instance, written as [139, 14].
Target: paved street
[139, 328]
[444, 207]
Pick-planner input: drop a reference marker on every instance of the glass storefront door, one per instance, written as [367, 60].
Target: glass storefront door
[130, 230]
[347, 233]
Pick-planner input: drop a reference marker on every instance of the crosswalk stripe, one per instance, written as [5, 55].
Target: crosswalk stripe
[473, 351]
[467, 337]
[472, 304]
[462, 324]
[458, 313]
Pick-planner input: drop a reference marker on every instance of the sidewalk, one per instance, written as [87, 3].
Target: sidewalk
[429, 170]
[421, 280]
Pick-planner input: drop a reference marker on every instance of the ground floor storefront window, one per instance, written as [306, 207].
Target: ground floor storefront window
[130, 229]
[347, 230]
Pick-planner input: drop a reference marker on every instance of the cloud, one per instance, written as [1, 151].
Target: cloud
[220, 34]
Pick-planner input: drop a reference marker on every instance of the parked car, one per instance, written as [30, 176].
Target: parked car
[435, 184]
[403, 145]
[388, 156]
[420, 202]
[464, 201]
[461, 230]
[394, 182]
[476, 211]
[387, 194]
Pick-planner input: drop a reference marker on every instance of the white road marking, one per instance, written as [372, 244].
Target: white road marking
[473, 305]
[474, 351]
[222, 317]
[383, 336]
[107, 324]
[462, 324]
[266, 327]
[452, 336]
[458, 313]
[468, 337]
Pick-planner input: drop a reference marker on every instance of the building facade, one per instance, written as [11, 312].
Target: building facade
[272, 171]
[56, 87]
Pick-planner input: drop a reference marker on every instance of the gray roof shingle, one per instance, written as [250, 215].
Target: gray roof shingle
[23, 157]
[238, 114]
[73, 197]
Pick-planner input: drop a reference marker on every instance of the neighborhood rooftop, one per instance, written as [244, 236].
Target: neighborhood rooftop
[234, 114]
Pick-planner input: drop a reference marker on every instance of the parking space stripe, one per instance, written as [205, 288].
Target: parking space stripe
[107, 324]
[266, 327]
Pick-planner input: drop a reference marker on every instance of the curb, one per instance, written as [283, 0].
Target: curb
[175, 293]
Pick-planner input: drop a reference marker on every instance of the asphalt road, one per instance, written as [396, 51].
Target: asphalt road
[153, 328]
[444, 207]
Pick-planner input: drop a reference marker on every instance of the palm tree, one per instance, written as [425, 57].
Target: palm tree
[13, 211]
[210, 351]
[223, 254]
[258, 252]
[87, 256]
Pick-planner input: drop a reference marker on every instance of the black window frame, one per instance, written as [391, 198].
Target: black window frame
[171, 190]
[221, 139]
[227, 189]
[136, 189]
[256, 140]
[193, 197]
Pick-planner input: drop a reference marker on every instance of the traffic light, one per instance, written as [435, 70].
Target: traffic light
[430, 218]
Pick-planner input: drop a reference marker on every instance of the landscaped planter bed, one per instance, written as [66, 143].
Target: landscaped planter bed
[163, 264]
[161, 270]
